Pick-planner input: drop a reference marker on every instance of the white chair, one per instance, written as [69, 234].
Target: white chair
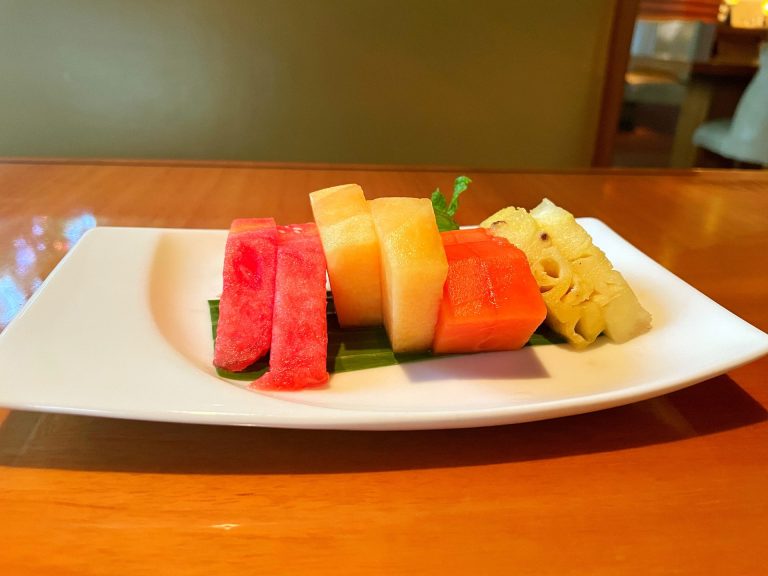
[743, 138]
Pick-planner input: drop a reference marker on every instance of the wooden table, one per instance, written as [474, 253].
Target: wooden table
[674, 485]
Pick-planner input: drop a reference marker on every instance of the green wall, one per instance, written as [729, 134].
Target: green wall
[484, 83]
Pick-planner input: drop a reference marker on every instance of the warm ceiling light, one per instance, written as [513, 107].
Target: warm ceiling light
[765, 8]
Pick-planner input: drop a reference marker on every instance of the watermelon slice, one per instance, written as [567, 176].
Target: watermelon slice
[244, 331]
[297, 359]
[490, 299]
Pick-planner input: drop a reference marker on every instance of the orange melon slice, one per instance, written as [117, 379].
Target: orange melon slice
[490, 300]
[352, 252]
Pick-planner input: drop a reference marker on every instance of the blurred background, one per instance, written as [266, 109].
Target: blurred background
[487, 84]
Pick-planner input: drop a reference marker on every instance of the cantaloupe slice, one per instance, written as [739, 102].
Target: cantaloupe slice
[413, 270]
[351, 249]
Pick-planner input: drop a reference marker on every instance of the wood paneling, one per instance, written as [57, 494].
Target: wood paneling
[704, 10]
[622, 28]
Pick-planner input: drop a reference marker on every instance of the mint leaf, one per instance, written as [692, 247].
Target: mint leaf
[438, 201]
[445, 222]
[460, 185]
[445, 212]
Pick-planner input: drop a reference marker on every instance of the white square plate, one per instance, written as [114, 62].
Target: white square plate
[121, 329]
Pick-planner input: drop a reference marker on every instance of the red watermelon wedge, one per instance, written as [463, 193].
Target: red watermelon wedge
[244, 332]
[297, 359]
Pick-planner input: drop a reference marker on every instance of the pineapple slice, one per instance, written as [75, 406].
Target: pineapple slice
[583, 293]
[413, 270]
[570, 312]
[624, 317]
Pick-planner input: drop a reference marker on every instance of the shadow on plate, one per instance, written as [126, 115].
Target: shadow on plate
[35, 440]
[523, 364]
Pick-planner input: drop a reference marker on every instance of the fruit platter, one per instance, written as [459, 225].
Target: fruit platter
[532, 314]
[404, 264]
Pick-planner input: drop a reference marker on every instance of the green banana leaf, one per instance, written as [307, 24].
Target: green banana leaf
[356, 348]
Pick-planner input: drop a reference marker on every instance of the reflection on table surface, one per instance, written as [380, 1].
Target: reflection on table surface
[35, 251]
